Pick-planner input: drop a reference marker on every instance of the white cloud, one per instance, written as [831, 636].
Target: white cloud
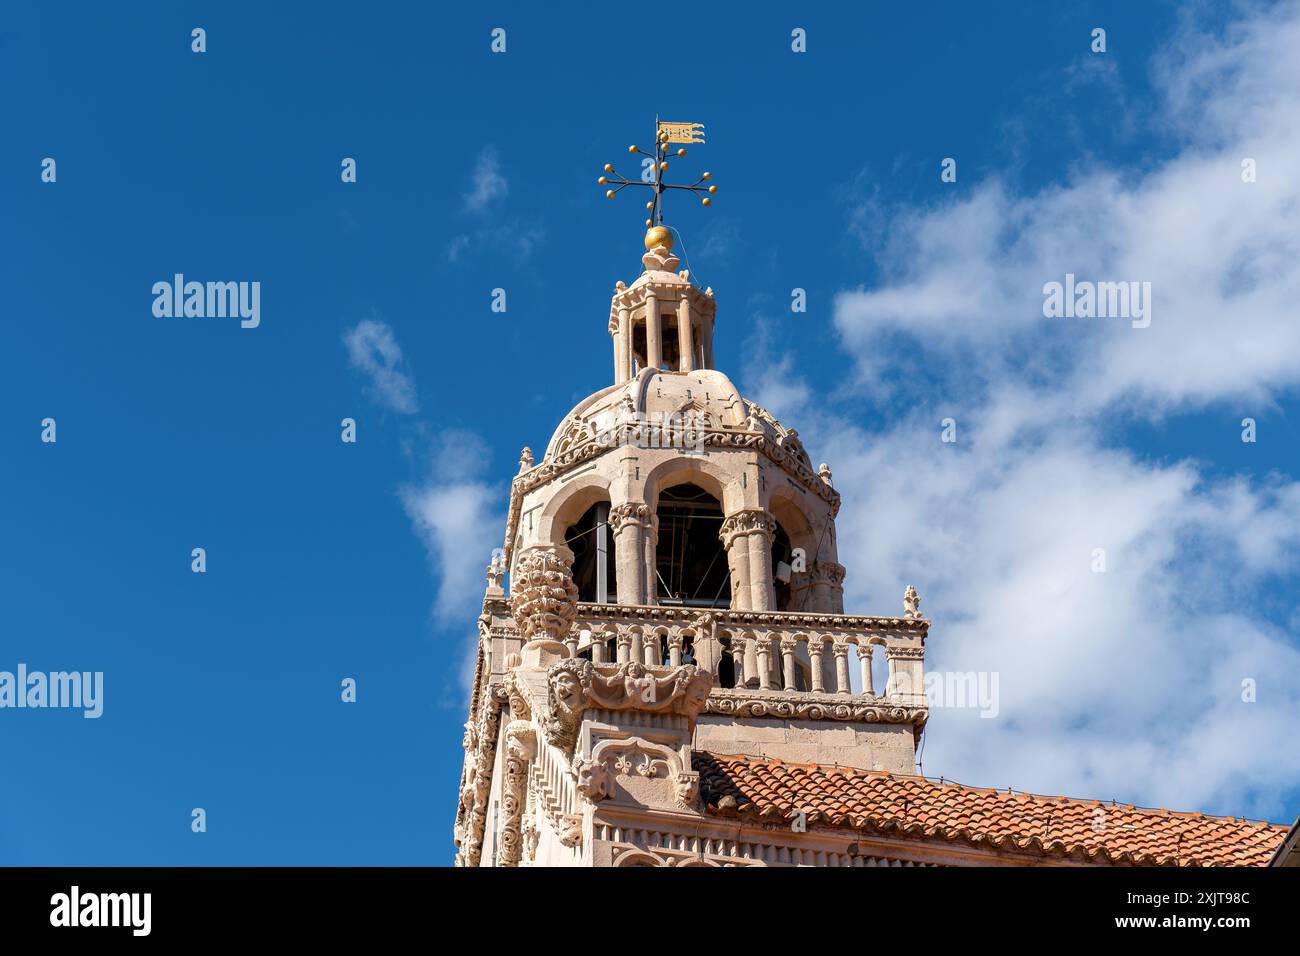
[373, 349]
[964, 280]
[488, 183]
[1128, 683]
[458, 518]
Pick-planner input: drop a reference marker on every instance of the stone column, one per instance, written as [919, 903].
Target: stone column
[827, 583]
[763, 649]
[650, 539]
[654, 354]
[685, 337]
[650, 649]
[623, 360]
[629, 521]
[815, 648]
[864, 661]
[788, 647]
[841, 650]
[675, 642]
[739, 651]
[762, 586]
[747, 536]
[753, 666]
[738, 565]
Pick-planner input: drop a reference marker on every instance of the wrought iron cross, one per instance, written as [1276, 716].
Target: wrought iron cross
[666, 136]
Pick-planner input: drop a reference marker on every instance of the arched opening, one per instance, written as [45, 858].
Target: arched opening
[690, 561]
[592, 545]
[781, 571]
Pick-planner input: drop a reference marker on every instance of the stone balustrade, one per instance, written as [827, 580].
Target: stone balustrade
[782, 652]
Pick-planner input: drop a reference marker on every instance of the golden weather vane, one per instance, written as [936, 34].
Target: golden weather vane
[666, 136]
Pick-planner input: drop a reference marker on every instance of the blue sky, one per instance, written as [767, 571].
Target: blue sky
[477, 171]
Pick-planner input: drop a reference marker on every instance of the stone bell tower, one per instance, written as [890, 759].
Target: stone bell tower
[674, 592]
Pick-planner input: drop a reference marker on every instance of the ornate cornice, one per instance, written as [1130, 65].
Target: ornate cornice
[811, 622]
[801, 705]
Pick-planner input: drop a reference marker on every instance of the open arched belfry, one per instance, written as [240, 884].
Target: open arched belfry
[670, 678]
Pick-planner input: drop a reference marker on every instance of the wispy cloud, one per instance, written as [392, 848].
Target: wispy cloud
[373, 349]
[494, 230]
[487, 182]
[458, 516]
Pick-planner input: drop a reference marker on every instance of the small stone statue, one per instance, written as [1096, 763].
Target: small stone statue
[525, 459]
[496, 571]
[911, 603]
[824, 472]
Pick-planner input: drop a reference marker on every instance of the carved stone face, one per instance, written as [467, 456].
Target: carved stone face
[567, 691]
[697, 692]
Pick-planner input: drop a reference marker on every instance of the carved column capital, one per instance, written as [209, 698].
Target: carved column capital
[633, 513]
[830, 573]
[744, 523]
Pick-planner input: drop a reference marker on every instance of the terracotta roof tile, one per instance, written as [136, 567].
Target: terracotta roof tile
[876, 801]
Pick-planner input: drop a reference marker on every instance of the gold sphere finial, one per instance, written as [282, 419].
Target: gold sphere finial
[659, 236]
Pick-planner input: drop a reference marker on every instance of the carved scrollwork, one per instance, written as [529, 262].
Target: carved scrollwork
[772, 704]
[521, 745]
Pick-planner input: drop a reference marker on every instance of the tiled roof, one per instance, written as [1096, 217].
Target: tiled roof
[919, 807]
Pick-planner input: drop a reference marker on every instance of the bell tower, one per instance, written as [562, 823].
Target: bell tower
[674, 587]
[662, 320]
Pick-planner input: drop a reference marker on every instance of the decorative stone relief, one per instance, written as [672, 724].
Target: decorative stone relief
[636, 758]
[805, 706]
[629, 513]
[521, 745]
[544, 599]
[574, 685]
